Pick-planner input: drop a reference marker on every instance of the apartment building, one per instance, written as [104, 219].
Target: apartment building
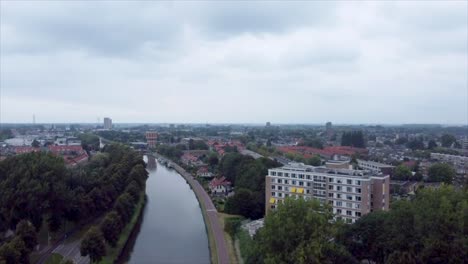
[351, 193]
[107, 123]
[375, 166]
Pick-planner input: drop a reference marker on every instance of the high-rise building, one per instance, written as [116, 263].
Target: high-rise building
[107, 123]
[268, 124]
[351, 193]
[151, 138]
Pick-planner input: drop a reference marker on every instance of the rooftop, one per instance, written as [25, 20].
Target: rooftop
[294, 166]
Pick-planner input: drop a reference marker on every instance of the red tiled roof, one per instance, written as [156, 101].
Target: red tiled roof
[219, 181]
[26, 149]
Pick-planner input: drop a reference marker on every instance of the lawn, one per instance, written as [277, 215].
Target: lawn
[234, 251]
[54, 259]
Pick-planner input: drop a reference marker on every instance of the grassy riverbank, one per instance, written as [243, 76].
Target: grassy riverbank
[114, 253]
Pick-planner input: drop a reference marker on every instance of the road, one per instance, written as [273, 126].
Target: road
[211, 212]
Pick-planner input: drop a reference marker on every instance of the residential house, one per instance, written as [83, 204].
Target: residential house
[220, 186]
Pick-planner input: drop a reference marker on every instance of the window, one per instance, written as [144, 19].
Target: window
[357, 206]
[349, 181]
[338, 211]
[273, 187]
[280, 181]
[349, 197]
[273, 193]
[339, 203]
[358, 198]
[308, 184]
[349, 213]
[273, 173]
[330, 187]
[358, 182]
[301, 176]
[349, 205]
[273, 206]
[339, 181]
[286, 174]
[358, 190]
[330, 179]
[349, 189]
[358, 214]
[293, 175]
[293, 182]
[338, 188]
[330, 195]
[301, 183]
[338, 195]
[280, 174]
[280, 188]
[285, 181]
[308, 177]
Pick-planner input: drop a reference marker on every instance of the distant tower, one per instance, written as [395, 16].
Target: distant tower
[329, 129]
[151, 138]
[34, 119]
[268, 124]
[107, 123]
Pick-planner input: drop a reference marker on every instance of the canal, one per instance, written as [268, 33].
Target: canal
[172, 228]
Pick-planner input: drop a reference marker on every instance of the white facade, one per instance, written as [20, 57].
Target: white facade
[351, 193]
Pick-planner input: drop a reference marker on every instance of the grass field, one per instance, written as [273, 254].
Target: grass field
[54, 259]
[234, 252]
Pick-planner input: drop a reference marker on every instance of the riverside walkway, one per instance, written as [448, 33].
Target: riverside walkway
[209, 211]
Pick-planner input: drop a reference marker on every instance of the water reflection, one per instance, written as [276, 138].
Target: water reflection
[172, 228]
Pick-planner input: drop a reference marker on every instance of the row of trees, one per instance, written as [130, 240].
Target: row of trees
[94, 241]
[429, 229]
[439, 172]
[248, 176]
[37, 187]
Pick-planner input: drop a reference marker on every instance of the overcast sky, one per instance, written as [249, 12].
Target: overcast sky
[228, 62]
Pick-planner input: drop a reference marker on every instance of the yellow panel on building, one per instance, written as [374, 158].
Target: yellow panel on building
[272, 200]
[300, 190]
[293, 189]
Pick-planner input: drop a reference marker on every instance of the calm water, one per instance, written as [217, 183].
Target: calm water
[172, 229]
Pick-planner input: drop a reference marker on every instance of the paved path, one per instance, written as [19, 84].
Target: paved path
[211, 212]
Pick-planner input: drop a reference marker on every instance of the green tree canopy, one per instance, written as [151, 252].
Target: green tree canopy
[402, 173]
[299, 231]
[447, 140]
[353, 139]
[441, 172]
[93, 245]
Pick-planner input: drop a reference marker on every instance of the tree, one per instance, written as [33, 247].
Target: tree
[432, 144]
[232, 225]
[314, 161]
[447, 140]
[111, 227]
[26, 231]
[415, 144]
[35, 144]
[124, 206]
[402, 173]
[353, 139]
[428, 229]
[14, 252]
[299, 231]
[441, 172]
[93, 245]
